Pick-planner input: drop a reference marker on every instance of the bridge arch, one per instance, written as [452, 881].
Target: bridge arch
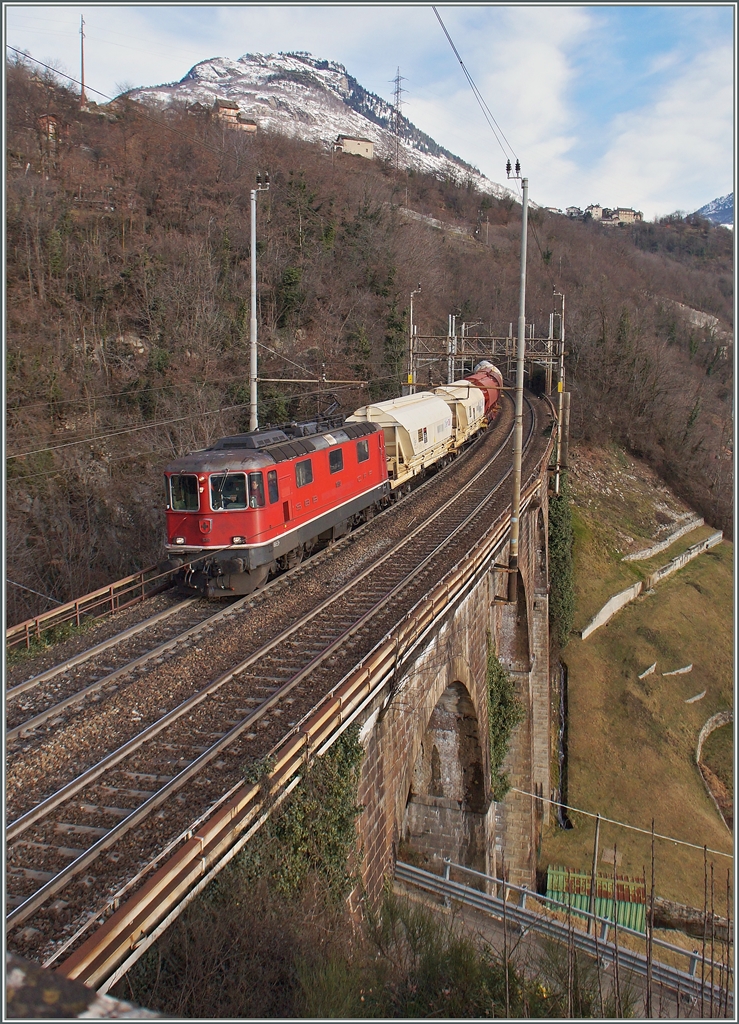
[446, 778]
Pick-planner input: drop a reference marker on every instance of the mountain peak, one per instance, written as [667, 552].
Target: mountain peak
[720, 211]
[315, 99]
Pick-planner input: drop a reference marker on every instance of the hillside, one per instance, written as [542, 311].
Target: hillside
[629, 739]
[128, 319]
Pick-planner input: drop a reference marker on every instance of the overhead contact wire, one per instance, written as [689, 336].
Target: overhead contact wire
[622, 824]
[487, 113]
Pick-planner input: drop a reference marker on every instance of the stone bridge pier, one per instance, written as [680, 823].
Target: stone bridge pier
[425, 786]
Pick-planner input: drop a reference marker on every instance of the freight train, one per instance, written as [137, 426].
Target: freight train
[256, 504]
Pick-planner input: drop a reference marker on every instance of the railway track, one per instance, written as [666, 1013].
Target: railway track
[44, 697]
[75, 850]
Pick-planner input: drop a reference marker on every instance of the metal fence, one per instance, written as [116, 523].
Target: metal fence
[573, 887]
[687, 983]
[105, 601]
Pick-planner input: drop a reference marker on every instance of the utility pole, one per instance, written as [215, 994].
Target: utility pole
[83, 98]
[591, 907]
[411, 348]
[518, 422]
[561, 393]
[451, 348]
[253, 418]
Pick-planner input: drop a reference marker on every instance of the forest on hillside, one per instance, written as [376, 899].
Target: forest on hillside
[128, 315]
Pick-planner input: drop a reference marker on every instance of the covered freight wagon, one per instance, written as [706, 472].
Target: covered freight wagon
[467, 404]
[418, 433]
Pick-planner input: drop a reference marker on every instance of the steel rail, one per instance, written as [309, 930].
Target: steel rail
[136, 924]
[167, 645]
[75, 785]
[80, 659]
[21, 912]
[526, 919]
[111, 950]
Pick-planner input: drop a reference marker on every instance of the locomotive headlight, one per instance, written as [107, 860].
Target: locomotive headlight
[237, 540]
[179, 540]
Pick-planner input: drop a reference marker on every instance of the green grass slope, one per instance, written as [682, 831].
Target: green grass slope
[631, 742]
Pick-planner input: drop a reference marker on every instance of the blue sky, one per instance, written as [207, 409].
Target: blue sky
[628, 105]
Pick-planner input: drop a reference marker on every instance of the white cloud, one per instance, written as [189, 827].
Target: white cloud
[679, 148]
[523, 64]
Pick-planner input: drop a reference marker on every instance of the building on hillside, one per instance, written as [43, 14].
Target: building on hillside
[604, 215]
[229, 114]
[621, 215]
[355, 146]
[553, 209]
[627, 215]
[611, 218]
[226, 110]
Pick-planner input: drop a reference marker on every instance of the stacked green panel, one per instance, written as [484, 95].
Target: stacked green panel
[573, 888]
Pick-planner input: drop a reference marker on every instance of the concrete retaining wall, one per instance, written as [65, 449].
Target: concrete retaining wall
[680, 560]
[715, 722]
[618, 601]
[663, 545]
[610, 608]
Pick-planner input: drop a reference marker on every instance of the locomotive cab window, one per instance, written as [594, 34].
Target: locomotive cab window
[362, 451]
[335, 460]
[304, 473]
[227, 491]
[256, 490]
[272, 488]
[184, 493]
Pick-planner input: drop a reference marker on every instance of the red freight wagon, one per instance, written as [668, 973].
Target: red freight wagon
[258, 502]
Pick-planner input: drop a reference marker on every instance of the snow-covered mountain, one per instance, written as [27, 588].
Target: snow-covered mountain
[720, 211]
[315, 100]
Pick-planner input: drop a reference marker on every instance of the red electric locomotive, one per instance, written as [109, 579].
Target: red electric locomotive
[254, 503]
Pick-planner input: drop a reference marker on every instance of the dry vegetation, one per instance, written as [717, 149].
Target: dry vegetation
[127, 324]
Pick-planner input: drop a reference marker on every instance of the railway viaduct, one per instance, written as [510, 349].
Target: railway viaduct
[426, 776]
[420, 700]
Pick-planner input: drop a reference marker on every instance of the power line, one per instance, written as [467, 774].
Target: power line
[32, 591]
[487, 113]
[612, 821]
[109, 38]
[493, 125]
[179, 419]
[216, 382]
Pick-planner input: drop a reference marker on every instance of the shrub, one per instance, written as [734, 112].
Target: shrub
[561, 569]
[505, 712]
